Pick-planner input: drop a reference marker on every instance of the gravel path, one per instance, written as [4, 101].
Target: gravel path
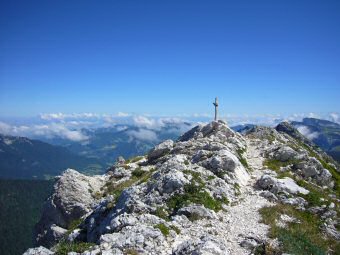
[242, 219]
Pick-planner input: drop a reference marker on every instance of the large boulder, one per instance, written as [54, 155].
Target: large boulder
[325, 178]
[160, 150]
[285, 153]
[72, 198]
[313, 168]
[173, 181]
[274, 185]
[225, 162]
[196, 212]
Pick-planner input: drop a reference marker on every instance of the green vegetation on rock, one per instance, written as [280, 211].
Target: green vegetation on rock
[63, 248]
[242, 159]
[275, 164]
[162, 213]
[138, 172]
[134, 159]
[163, 228]
[195, 193]
[138, 176]
[301, 236]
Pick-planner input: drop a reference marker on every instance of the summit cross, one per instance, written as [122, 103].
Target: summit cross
[216, 107]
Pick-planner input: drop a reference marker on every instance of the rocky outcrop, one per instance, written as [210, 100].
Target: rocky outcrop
[73, 197]
[160, 150]
[289, 129]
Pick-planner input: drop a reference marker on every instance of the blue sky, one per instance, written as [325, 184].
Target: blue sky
[169, 57]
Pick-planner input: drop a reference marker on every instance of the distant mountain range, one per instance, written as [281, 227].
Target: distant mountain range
[23, 158]
[106, 144]
[324, 133]
[242, 128]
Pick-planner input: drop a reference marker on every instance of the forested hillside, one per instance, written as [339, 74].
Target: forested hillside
[20, 207]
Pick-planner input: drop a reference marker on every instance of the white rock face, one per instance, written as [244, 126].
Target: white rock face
[72, 199]
[227, 162]
[173, 181]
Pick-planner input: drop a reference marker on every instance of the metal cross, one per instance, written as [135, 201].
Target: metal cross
[216, 106]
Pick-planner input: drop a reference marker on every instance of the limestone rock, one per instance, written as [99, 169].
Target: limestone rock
[160, 150]
[226, 162]
[203, 246]
[38, 251]
[275, 185]
[197, 212]
[72, 198]
[285, 153]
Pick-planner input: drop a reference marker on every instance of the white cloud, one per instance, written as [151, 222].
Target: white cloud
[142, 121]
[121, 128]
[5, 128]
[69, 126]
[143, 135]
[308, 133]
[122, 114]
[334, 117]
[43, 130]
[63, 116]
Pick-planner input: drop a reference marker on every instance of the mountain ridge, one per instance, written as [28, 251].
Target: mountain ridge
[324, 133]
[213, 191]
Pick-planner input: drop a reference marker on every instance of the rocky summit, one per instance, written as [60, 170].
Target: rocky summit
[213, 191]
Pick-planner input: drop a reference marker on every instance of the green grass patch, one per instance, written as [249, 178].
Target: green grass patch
[194, 193]
[73, 225]
[138, 176]
[164, 229]
[134, 159]
[335, 174]
[63, 248]
[242, 159]
[130, 252]
[211, 177]
[315, 193]
[237, 189]
[138, 172]
[117, 189]
[162, 213]
[303, 238]
[176, 229]
[331, 169]
[196, 177]
[275, 164]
